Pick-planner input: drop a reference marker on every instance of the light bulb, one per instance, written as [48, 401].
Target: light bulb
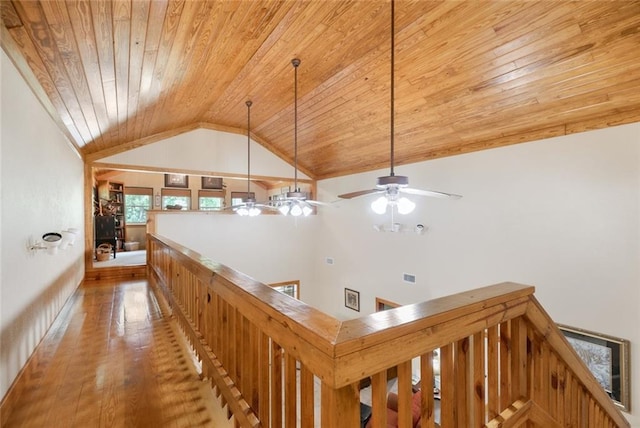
[242, 211]
[253, 211]
[379, 206]
[296, 210]
[284, 209]
[405, 206]
[306, 210]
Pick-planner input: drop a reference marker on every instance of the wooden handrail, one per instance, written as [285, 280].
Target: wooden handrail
[263, 349]
[541, 321]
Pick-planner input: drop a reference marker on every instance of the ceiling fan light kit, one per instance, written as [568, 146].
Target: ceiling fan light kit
[392, 185]
[402, 204]
[296, 203]
[248, 210]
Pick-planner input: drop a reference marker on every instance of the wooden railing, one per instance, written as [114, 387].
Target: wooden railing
[503, 362]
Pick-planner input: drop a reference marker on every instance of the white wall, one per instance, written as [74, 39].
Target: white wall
[207, 150]
[269, 248]
[41, 190]
[561, 214]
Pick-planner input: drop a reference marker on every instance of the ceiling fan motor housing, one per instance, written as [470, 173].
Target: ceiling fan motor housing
[397, 180]
[297, 195]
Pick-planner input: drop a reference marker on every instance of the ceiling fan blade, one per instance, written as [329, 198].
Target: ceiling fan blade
[359, 193]
[269, 207]
[318, 203]
[429, 193]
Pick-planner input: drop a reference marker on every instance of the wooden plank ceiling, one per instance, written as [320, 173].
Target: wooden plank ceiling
[470, 75]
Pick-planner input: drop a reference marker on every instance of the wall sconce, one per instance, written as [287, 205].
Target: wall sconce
[52, 241]
[419, 229]
[68, 237]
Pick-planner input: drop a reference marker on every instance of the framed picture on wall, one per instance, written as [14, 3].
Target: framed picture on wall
[176, 180]
[212, 183]
[352, 299]
[607, 358]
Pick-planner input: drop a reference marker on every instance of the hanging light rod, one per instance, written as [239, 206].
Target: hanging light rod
[248, 207]
[392, 186]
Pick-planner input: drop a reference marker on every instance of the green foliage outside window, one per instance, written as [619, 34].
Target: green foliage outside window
[210, 203]
[136, 207]
[183, 201]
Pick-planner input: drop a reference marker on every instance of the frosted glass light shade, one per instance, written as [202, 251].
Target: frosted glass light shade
[379, 206]
[284, 209]
[405, 206]
[296, 210]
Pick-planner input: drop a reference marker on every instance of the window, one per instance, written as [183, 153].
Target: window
[176, 197]
[383, 305]
[290, 288]
[236, 197]
[210, 199]
[137, 200]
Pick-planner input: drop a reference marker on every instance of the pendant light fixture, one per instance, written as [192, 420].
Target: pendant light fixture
[392, 186]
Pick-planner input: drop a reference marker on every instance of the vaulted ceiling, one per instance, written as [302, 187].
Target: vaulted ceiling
[469, 75]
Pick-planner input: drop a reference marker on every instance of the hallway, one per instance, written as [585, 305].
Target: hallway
[113, 359]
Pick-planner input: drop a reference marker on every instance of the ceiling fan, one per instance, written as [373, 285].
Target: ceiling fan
[249, 206]
[296, 203]
[392, 186]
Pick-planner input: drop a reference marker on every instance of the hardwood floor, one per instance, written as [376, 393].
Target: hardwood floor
[112, 358]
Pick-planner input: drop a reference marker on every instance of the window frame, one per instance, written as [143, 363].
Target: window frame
[241, 195]
[181, 193]
[140, 191]
[284, 286]
[218, 194]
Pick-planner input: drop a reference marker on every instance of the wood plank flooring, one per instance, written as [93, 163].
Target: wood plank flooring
[112, 358]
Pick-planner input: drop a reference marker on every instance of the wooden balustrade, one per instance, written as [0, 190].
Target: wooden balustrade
[503, 362]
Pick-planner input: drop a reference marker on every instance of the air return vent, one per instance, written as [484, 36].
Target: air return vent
[409, 278]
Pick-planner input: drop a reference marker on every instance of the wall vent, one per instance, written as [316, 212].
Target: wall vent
[407, 277]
